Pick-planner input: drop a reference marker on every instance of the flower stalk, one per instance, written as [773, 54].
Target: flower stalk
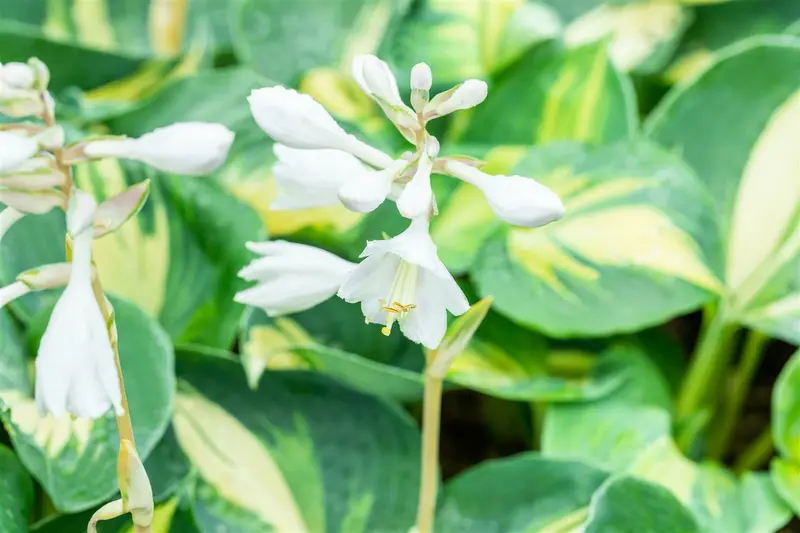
[429, 478]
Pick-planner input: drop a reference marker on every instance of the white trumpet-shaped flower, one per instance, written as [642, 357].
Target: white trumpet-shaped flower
[75, 370]
[515, 199]
[312, 178]
[291, 277]
[366, 191]
[299, 121]
[402, 280]
[190, 148]
[15, 150]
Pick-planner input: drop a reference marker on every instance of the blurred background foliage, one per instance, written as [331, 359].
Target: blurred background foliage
[669, 127]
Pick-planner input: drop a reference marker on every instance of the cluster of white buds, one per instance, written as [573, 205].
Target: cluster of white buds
[75, 368]
[401, 279]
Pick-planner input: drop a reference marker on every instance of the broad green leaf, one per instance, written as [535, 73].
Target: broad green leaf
[785, 470]
[300, 454]
[786, 477]
[743, 148]
[627, 504]
[167, 467]
[76, 460]
[282, 40]
[719, 25]
[470, 38]
[641, 35]
[16, 490]
[177, 259]
[554, 94]
[638, 244]
[522, 494]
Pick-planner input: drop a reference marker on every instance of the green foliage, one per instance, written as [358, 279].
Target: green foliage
[668, 127]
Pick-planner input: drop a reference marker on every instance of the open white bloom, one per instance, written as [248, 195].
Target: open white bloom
[516, 199]
[291, 277]
[15, 150]
[312, 178]
[75, 370]
[402, 280]
[191, 148]
[299, 121]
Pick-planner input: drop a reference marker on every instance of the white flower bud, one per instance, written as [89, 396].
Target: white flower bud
[17, 75]
[15, 150]
[114, 212]
[515, 199]
[32, 202]
[421, 77]
[416, 200]
[377, 81]
[190, 148]
[462, 96]
[364, 192]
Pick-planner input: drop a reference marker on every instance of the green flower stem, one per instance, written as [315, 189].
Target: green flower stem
[712, 355]
[757, 454]
[734, 399]
[429, 480]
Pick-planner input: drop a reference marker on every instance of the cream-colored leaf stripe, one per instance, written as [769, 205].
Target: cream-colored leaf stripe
[768, 196]
[235, 462]
[272, 346]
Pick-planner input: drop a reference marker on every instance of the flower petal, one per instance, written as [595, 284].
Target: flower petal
[15, 150]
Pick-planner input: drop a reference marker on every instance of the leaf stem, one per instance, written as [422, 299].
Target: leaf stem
[757, 454]
[429, 479]
[734, 399]
[712, 354]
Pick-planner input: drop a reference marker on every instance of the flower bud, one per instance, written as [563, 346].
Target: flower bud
[190, 148]
[17, 75]
[15, 150]
[416, 199]
[421, 77]
[364, 192]
[114, 212]
[32, 202]
[515, 199]
[462, 96]
[376, 79]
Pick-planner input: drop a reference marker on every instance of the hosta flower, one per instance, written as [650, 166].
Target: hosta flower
[17, 75]
[377, 80]
[402, 280]
[15, 150]
[515, 199]
[364, 192]
[299, 121]
[312, 178]
[291, 277]
[190, 148]
[36, 279]
[75, 370]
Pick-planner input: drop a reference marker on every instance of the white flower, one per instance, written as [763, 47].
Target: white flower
[291, 277]
[417, 198]
[31, 201]
[299, 121]
[516, 199]
[364, 192]
[402, 280]
[36, 279]
[463, 96]
[15, 150]
[75, 370]
[311, 178]
[17, 75]
[421, 77]
[377, 81]
[191, 148]
[9, 293]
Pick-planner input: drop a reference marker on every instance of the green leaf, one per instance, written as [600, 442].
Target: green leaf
[642, 35]
[554, 94]
[719, 25]
[638, 245]
[167, 467]
[470, 38]
[627, 505]
[300, 454]
[786, 410]
[521, 494]
[741, 147]
[177, 259]
[16, 492]
[786, 477]
[76, 460]
[274, 38]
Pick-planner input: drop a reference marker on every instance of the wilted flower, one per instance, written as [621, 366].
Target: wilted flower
[75, 369]
[402, 280]
[291, 277]
[190, 148]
